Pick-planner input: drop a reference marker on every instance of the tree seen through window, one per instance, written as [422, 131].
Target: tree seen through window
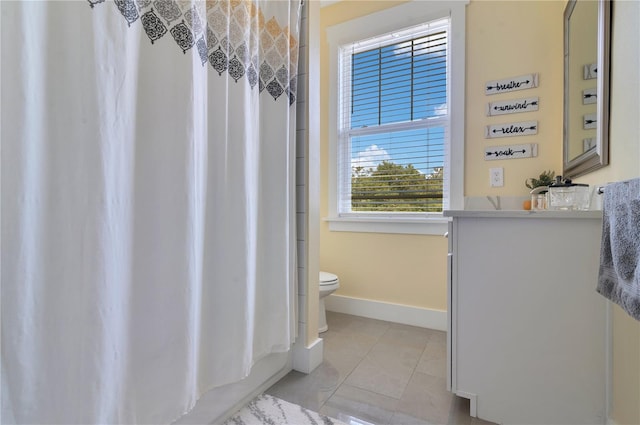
[398, 114]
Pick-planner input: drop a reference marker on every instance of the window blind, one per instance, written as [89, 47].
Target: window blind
[393, 121]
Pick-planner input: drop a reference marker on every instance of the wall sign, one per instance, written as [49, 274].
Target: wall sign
[511, 84]
[510, 152]
[525, 128]
[588, 143]
[589, 121]
[590, 71]
[589, 96]
[512, 106]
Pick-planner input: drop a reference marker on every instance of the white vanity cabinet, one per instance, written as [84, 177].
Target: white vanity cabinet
[527, 332]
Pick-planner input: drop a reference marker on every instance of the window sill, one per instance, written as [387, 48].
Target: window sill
[407, 225]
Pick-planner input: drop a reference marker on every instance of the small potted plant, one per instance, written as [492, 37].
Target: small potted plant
[539, 187]
[545, 179]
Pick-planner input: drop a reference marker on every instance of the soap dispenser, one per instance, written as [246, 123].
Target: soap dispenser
[539, 197]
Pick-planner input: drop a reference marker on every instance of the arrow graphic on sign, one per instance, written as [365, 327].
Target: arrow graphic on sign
[512, 106]
[519, 82]
[510, 85]
[523, 105]
[513, 129]
[493, 153]
[523, 128]
[508, 152]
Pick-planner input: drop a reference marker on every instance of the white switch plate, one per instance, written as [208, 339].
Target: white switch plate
[496, 177]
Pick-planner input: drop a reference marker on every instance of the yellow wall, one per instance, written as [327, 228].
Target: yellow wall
[504, 39]
[402, 269]
[624, 160]
[507, 39]
[411, 270]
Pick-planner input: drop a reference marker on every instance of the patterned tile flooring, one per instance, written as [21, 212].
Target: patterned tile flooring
[376, 373]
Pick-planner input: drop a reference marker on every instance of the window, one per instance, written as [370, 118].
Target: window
[393, 121]
[392, 124]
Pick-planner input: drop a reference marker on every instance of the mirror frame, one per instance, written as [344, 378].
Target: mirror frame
[598, 157]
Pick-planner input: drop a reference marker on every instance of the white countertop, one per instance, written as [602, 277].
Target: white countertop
[592, 214]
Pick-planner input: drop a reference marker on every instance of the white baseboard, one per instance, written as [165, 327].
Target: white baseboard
[306, 359]
[398, 313]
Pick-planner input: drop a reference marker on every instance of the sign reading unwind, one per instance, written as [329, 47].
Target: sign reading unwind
[512, 106]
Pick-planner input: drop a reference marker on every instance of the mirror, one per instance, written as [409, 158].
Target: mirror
[586, 86]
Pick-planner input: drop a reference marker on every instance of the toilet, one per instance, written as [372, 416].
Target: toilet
[328, 284]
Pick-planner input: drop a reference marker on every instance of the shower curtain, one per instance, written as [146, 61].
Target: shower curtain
[147, 203]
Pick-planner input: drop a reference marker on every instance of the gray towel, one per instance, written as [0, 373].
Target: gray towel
[619, 276]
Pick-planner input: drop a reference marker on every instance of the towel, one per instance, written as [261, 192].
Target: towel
[619, 275]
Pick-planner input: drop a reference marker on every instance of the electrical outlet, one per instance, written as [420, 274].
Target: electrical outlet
[496, 177]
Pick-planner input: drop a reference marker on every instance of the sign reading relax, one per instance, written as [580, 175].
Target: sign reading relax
[524, 128]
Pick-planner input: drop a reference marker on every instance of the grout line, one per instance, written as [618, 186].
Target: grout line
[453, 413]
[357, 364]
[354, 367]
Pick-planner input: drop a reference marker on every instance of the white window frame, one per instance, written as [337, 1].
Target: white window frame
[395, 19]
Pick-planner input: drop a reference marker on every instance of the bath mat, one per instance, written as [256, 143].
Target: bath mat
[266, 409]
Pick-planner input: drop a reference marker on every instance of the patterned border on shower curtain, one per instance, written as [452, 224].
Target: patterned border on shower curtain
[232, 36]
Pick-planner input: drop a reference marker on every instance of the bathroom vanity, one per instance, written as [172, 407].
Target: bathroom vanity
[527, 332]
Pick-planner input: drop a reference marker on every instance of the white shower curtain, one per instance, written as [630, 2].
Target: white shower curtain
[147, 203]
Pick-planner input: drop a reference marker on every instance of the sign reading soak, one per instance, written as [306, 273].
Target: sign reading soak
[512, 106]
[525, 128]
[522, 82]
[510, 152]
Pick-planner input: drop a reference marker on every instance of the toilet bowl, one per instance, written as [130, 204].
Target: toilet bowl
[329, 282]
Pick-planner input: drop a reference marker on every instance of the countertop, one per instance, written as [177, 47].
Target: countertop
[592, 214]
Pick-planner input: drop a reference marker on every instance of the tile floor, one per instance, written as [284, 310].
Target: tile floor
[377, 372]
